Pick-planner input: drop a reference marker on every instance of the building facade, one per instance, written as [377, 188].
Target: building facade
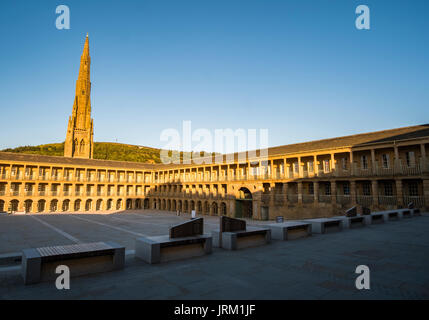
[380, 170]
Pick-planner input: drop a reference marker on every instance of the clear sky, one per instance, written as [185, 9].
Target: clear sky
[299, 68]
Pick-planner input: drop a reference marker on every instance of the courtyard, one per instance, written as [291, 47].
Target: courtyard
[319, 267]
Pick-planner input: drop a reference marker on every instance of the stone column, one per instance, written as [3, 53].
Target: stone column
[397, 163]
[353, 192]
[333, 192]
[300, 168]
[300, 192]
[374, 184]
[333, 165]
[352, 169]
[315, 166]
[284, 193]
[316, 192]
[272, 195]
[424, 166]
[373, 164]
[399, 194]
[426, 192]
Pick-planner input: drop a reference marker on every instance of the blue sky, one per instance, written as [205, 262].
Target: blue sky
[298, 68]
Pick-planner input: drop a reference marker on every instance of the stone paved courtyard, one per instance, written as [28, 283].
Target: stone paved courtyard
[319, 267]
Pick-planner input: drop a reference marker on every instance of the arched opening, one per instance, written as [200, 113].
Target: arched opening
[185, 206]
[199, 207]
[54, 205]
[206, 207]
[28, 204]
[88, 205]
[14, 205]
[192, 205]
[2, 206]
[129, 204]
[174, 205]
[168, 204]
[77, 205]
[98, 205]
[41, 205]
[244, 204]
[179, 205]
[146, 203]
[163, 204]
[66, 205]
[119, 204]
[223, 209]
[109, 205]
[214, 209]
[138, 204]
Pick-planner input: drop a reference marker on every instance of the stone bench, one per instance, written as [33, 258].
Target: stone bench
[185, 240]
[233, 234]
[324, 225]
[406, 213]
[375, 218]
[352, 221]
[290, 230]
[39, 264]
[416, 212]
[392, 216]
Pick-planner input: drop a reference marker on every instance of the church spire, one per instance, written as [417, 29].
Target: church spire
[79, 138]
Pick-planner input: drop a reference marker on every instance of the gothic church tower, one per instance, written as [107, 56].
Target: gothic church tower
[79, 139]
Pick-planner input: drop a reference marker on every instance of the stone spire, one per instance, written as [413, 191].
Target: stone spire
[79, 138]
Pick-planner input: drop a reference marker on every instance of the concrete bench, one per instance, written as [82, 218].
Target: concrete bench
[375, 218]
[185, 240]
[392, 216]
[351, 221]
[416, 212]
[324, 225]
[39, 264]
[290, 230]
[233, 234]
[405, 213]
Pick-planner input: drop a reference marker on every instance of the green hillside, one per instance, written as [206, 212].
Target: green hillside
[102, 150]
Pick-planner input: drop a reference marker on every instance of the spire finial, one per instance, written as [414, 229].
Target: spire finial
[87, 34]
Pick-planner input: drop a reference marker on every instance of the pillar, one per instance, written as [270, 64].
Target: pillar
[316, 192]
[374, 192]
[351, 163]
[353, 192]
[334, 192]
[424, 167]
[426, 192]
[373, 164]
[399, 194]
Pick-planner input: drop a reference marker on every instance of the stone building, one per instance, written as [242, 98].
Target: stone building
[381, 170]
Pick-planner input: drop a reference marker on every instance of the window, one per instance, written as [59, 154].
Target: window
[364, 162]
[310, 188]
[295, 167]
[386, 162]
[411, 160]
[413, 189]
[366, 188]
[326, 167]
[344, 163]
[388, 189]
[327, 189]
[310, 166]
[346, 189]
